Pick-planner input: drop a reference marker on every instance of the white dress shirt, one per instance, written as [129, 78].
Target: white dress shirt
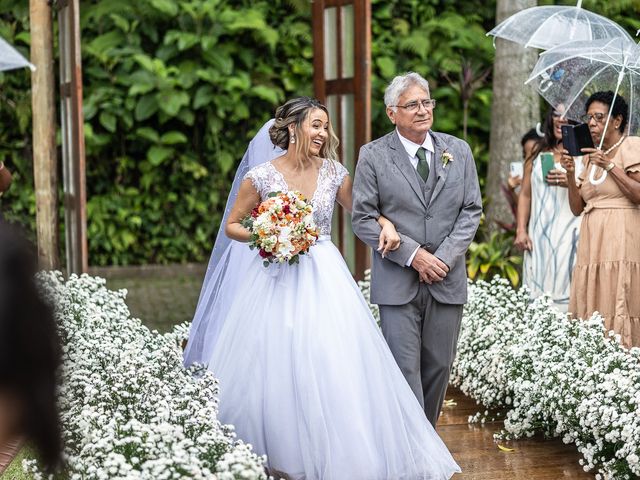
[412, 150]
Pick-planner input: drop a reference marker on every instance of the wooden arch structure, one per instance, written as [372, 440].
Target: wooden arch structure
[342, 81]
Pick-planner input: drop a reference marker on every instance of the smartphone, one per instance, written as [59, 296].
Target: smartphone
[575, 138]
[515, 169]
[548, 164]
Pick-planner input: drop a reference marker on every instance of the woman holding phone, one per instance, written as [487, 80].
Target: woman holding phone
[607, 272]
[547, 231]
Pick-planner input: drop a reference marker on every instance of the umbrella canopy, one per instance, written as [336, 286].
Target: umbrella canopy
[10, 58]
[548, 26]
[567, 75]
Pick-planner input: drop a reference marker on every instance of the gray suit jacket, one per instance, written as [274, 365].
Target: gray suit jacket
[386, 184]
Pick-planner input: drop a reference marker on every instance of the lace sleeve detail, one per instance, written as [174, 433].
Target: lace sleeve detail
[341, 173]
[259, 178]
[255, 179]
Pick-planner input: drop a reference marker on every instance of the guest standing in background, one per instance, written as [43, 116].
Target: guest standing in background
[547, 231]
[607, 274]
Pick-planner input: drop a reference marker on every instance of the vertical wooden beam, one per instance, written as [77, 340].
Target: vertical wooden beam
[44, 133]
[73, 152]
[317, 19]
[362, 101]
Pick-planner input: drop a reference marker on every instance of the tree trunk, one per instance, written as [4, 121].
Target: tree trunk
[44, 133]
[515, 109]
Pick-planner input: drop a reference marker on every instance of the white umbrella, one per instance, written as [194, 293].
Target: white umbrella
[568, 74]
[548, 26]
[10, 58]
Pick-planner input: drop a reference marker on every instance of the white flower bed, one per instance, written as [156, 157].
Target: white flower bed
[129, 408]
[365, 288]
[553, 375]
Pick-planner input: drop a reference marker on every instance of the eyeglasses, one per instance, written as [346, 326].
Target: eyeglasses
[598, 117]
[415, 106]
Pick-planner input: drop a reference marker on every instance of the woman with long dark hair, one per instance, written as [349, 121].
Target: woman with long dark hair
[547, 231]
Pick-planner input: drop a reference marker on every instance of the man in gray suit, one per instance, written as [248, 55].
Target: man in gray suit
[426, 184]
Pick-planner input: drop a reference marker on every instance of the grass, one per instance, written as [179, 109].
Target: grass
[161, 302]
[14, 470]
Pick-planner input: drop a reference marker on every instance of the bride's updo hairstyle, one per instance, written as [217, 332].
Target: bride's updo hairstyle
[296, 111]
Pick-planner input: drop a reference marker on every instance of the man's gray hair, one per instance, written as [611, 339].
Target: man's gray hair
[401, 83]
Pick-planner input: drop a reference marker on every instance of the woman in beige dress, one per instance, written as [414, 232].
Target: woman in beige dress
[606, 278]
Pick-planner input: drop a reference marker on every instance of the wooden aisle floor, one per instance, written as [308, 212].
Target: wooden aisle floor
[480, 458]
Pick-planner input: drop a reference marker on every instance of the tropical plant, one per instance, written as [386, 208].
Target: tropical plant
[494, 257]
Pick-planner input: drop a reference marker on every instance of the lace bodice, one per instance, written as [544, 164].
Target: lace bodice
[266, 179]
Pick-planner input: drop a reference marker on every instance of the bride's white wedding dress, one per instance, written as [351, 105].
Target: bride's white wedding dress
[305, 374]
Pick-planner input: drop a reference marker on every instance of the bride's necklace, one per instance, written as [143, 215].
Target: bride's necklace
[614, 146]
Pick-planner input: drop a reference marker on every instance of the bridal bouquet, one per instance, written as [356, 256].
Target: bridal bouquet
[282, 228]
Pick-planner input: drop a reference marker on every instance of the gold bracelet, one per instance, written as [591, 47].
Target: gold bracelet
[609, 167]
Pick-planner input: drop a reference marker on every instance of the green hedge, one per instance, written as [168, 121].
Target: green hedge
[175, 89]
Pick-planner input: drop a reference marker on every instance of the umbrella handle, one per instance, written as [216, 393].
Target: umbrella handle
[592, 176]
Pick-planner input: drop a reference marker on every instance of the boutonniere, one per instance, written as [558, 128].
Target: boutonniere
[446, 158]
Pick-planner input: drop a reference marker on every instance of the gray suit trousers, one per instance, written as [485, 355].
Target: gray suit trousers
[422, 336]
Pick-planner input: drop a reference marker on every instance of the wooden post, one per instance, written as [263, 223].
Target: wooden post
[44, 133]
[72, 128]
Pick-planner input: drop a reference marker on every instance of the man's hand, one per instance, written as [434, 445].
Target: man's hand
[430, 267]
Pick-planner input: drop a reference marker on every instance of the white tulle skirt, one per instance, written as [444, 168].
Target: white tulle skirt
[307, 378]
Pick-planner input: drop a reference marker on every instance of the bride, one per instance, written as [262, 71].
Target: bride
[305, 374]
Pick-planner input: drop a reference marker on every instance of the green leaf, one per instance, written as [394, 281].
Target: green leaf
[145, 62]
[157, 155]
[387, 66]
[203, 96]
[103, 43]
[512, 274]
[173, 137]
[120, 22]
[108, 121]
[271, 95]
[225, 161]
[171, 101]
[146, 107]
[148, 133]
[170, 7]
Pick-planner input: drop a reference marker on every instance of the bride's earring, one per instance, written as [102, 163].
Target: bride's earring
[293, 138]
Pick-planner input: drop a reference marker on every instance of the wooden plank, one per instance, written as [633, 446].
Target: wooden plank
[8, 452]
[473, 448]
[73, 151]
[362, 102]
[340, 86]
[317, 23]
[44, 134]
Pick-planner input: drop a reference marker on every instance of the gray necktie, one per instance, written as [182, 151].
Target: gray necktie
[423, 165]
